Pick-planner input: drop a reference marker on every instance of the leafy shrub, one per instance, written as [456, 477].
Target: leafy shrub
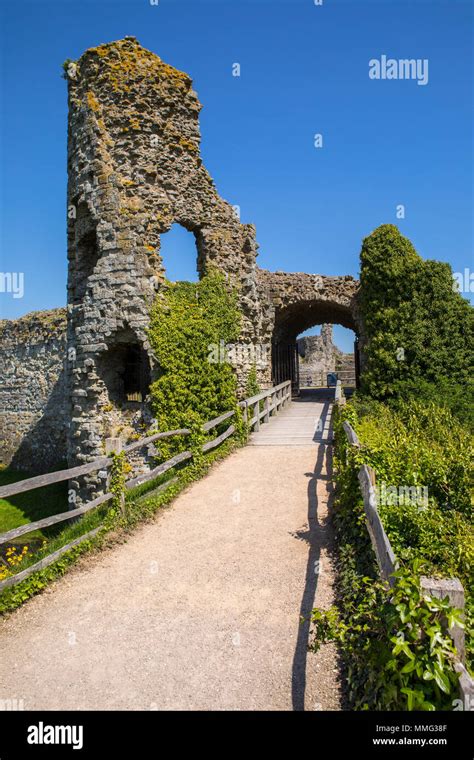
[187, 320]
[399, 652]
[252, 388]
[420, 444]
[410, 304]
[396, 650]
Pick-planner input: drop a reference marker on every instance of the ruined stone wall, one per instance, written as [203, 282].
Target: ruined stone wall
[34, 409]
[134, 169]
[319, 355]
[302, 300]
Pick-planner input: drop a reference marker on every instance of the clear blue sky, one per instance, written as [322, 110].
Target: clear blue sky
[304, 70]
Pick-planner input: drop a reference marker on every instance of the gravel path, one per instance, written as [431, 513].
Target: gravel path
[199, 609]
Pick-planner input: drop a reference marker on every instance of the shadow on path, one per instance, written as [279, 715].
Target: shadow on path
[318, 535]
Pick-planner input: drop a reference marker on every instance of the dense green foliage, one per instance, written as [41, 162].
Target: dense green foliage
[420, 444]
[190, 324]
[413, 418]
[419, 329]
[417, 443]
[394, 642]
[252, 388]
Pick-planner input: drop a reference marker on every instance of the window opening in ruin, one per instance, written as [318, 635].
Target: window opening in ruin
[86, 251]
[179, 254]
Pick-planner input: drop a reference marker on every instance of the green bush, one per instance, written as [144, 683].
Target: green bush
[189, 323]
[419, 330]
[252, 388]
[417, 443]
[394, 644]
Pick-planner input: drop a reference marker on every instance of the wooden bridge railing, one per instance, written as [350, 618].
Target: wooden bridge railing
[388, 564]
[273, 398]
[318, 379]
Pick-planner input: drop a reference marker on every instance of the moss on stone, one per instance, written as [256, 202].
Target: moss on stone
[127, 60]
[51, 321]
[92, 101]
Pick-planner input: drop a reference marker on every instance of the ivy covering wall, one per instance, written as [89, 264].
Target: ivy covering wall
[188, 321]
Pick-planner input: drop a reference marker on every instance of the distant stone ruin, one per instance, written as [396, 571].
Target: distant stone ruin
[134, 169]
[318, 355]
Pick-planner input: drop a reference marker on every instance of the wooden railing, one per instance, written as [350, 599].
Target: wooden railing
[319, 378]
[388, 564]
[273, 398]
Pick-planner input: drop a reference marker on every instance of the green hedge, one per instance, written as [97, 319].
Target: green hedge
[419, 329]
[396, 651]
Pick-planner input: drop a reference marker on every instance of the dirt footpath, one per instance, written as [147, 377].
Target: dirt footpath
[199, 609]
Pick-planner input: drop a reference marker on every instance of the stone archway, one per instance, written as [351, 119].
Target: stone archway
[297, 302]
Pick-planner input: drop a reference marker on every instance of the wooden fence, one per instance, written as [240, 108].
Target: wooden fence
[318, 379]
[273, 399]
[388, 564]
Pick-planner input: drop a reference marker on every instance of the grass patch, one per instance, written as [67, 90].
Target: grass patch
[28, 507]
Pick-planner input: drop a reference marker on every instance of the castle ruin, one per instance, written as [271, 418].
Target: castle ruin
[134, 169]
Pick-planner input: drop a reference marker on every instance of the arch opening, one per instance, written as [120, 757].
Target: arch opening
[325, 356]
[86, 252]
[125, 370]
[307, 357]
[180, 255]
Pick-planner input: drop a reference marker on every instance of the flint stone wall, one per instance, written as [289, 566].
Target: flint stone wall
[319, 355]
[34, 410]
[134, 169]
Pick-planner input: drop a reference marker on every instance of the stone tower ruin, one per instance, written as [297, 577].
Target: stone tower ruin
[134, 169]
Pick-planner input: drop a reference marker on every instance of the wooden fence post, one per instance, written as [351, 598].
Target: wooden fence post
[453, 589]
[266, 417]
[113, 445]
[274, 404]
[386, 559]
[256, 414]
[466, 687]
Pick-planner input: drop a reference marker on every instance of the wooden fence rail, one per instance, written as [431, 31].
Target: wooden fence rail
[74, 472]
[274, 397]
[384, 553]
[388, 564]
